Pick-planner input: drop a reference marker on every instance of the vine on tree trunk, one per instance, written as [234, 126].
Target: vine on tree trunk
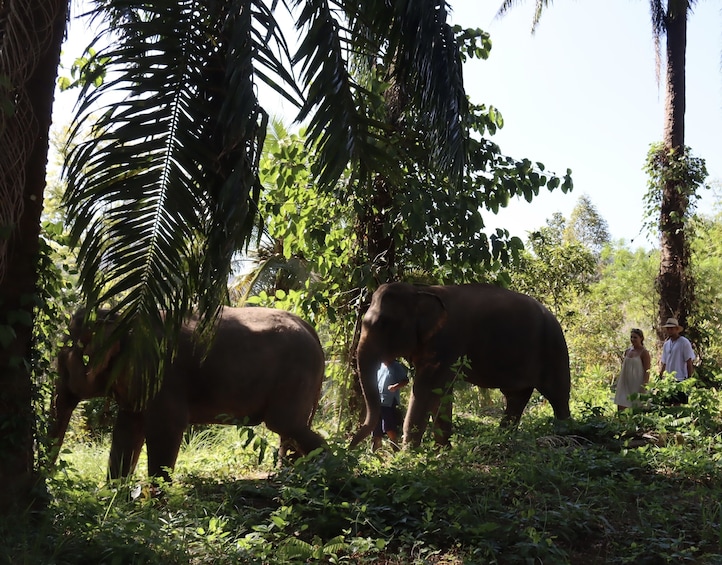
[672, 192]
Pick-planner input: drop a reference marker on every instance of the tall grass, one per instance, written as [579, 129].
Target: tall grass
[640, 487]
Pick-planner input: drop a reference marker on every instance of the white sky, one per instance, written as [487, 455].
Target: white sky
[580, 94]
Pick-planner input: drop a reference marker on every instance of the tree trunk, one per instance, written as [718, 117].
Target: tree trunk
[376, 239]
[31, 32]
[674, 281]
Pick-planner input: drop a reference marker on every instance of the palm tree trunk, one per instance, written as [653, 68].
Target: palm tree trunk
[675, 95]
[674, 281]
[31, 32]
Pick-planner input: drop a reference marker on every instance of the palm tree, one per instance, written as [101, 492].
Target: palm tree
[674, 282]
[31, 34]
[164, 190]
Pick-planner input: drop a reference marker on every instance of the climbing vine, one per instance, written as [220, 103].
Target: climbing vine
[683, 171]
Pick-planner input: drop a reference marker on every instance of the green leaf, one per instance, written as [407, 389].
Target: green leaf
[20, 317]
[7, 335]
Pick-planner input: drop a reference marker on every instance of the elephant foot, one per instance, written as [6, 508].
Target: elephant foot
[509, 422]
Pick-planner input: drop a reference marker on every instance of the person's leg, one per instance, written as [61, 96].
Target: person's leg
[378, 433]
[394, 439]
[391, 427]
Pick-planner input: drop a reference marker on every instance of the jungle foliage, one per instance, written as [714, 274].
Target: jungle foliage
[636, 488]
[586, 492]
[583, 493]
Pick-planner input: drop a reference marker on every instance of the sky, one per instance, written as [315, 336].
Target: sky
[580, 94]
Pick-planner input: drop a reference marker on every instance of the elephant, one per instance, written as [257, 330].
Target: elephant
[511, 341]
[262, 365]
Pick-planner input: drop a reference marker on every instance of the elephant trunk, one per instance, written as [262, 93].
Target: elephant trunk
[63, 404]
[64, 400]
[368, 362]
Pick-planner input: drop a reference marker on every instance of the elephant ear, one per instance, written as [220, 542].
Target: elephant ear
[430, 315]
[73, 373]
[100, 366]
[100, 348]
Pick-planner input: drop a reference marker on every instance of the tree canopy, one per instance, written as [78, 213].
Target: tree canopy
[165, 189]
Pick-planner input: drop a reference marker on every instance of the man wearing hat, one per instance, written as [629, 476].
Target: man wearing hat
[677, 356]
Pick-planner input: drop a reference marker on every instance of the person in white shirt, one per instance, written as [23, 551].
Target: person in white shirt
[634, 375]
[390, 379]
[677, 357]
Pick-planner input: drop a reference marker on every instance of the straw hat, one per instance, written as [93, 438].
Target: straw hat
[672, 323]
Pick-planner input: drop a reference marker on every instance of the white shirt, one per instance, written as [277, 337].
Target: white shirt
[391, 375]
[675, 354]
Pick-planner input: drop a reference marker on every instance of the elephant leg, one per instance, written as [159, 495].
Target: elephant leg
[442, 413]
[516, 401]
[417, 418]
[298, 437]
[128, 437]
[559, 399]
[287, 449]
[166, 421]
[163, 443]
[308, 440]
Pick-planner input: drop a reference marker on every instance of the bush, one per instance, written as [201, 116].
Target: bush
[586, 491]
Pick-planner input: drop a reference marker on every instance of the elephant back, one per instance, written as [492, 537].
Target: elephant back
[259, 358]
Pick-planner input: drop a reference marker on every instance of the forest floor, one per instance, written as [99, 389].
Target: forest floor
[642, 488]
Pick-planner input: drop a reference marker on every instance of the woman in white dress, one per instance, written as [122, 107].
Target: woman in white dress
[635, 370]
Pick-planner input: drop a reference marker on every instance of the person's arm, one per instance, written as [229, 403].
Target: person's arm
[646, 364]
[690, 359]
[402, 382]
[663, 361]
[401, 377]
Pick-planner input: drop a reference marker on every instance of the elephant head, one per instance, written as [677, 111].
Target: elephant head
[399, 322]
[84, 371]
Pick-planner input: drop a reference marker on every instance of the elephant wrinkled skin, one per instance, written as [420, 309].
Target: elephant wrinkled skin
[511, 341]
[263, 365]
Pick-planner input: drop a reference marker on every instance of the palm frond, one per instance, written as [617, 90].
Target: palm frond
[269, 274]
[506, 7]
[659, 27]
[426, 59]
[539, 6]
[163, 191]
[335, 102]
[410, 38]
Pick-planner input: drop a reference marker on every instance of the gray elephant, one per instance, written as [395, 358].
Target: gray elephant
[263, 365]
[512, 342]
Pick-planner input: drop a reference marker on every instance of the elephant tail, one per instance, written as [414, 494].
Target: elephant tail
[62, 406]
[317, 400]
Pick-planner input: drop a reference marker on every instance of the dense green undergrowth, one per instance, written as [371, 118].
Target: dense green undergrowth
[605, 488]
